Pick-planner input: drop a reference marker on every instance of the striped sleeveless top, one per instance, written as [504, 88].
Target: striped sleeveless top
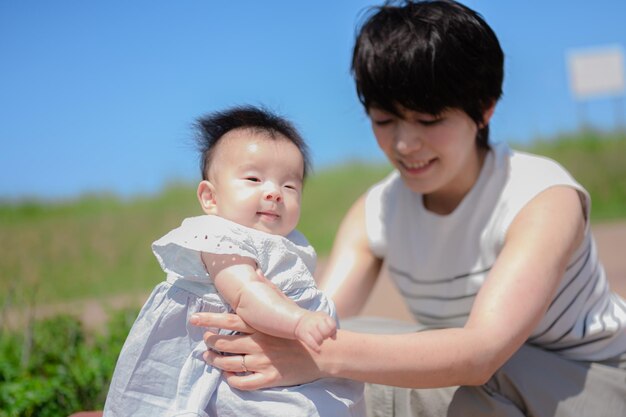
[439, 262]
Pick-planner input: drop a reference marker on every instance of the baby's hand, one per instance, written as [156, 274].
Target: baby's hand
[314, 327]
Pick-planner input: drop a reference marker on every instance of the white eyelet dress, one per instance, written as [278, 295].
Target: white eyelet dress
[160, 371]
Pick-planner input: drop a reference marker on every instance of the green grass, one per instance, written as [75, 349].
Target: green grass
[97, 246]
[328, 196]
[598, 161]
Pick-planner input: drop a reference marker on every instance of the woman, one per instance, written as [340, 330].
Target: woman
[491, 249]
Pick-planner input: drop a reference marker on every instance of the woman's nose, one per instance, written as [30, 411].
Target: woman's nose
[407, 139]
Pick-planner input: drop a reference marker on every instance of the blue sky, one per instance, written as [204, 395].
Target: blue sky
[101, 95]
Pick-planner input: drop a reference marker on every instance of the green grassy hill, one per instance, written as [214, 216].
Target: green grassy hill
[100, 245]
[97, 246]
[598, 161]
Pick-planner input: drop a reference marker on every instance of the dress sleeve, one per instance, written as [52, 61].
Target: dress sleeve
[178, 252]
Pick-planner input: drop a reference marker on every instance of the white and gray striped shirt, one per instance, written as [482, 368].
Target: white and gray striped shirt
[440, 262]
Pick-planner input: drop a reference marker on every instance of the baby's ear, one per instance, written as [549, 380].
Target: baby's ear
[207, 197]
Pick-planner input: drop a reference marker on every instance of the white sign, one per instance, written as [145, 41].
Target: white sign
[597, 72]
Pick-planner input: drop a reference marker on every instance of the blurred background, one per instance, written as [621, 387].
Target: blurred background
[97, 105]
[101, 96]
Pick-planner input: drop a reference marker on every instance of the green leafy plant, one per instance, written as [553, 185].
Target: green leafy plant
[62, 369]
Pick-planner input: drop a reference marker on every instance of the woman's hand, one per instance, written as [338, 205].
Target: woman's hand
[270, 361]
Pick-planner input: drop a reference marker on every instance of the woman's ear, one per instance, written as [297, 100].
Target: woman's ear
[207, 197]
[487, 114]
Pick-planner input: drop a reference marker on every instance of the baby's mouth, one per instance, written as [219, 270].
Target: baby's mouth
[268, 215]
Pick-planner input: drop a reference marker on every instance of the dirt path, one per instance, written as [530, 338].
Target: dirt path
[385, 300]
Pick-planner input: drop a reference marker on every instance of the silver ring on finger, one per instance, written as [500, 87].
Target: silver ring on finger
[243, 363]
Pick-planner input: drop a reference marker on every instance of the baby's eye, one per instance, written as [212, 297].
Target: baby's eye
[253, 179]
[291, 187]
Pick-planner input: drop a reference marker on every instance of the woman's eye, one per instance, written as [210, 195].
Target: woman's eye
[382, 122]
[430, 122]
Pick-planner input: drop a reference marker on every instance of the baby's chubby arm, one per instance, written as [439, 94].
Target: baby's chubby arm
[262, 305]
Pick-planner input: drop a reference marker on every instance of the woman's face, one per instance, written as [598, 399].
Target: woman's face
[436, 155]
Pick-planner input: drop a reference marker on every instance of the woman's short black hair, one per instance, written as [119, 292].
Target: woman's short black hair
[212, 127]
[427, 56]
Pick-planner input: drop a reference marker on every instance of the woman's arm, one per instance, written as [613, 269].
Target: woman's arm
[352, 268]
[513, 299]
[515, 296]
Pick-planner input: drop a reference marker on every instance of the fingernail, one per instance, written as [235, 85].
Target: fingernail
[194, 319]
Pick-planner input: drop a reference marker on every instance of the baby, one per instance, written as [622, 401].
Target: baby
[253, 167]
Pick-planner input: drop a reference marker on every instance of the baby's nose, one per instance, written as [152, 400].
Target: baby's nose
[273, 195]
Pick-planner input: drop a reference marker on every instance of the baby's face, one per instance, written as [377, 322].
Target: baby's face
[258, 181]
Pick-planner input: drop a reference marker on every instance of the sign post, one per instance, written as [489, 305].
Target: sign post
[597, 73]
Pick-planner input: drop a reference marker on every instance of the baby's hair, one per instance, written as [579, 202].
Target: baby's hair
[428, 56]
[212, 128]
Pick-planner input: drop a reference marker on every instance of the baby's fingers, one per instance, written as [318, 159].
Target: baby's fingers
[327, 327]
[313, 340]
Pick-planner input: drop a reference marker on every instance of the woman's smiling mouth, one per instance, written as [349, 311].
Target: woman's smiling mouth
[416, 167]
